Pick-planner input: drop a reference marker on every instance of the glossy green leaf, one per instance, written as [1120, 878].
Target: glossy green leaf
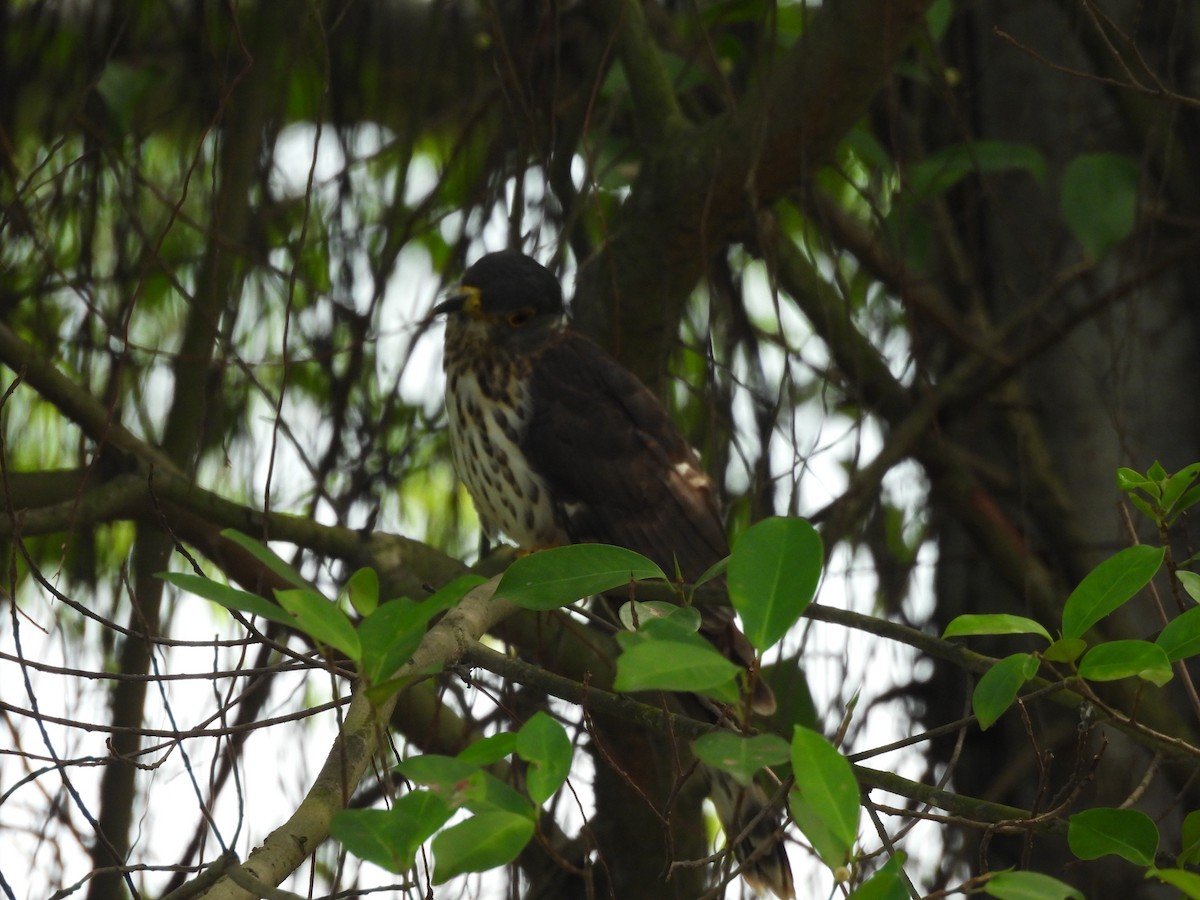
[886, 884]
[1181, 638]
[1177, 494]
[480, 843]
[679, 628]
[1132, 480]
[1118, 832]
[636, 613]
[1108, 586]
[552, 578]
[825, 799]
[390, 838]
[1147, 508]
[483, 792]
[447, 596]
[1065, 650]
[266, 556]
[1190, 582]
[1189, 853]
[740, 756]
[1029, 886]
[1186, 502]
[362, 590]
[390, 635]
[444, 774]
[1099, 200]
[543, 743]
[1188, 883]
[670, 665]
[321, 620]
[488, 750]
[773, 574]
[379, 693]
[993, 623]
[998, 687]
[228, 597]
[1126, 659]
[716, 570]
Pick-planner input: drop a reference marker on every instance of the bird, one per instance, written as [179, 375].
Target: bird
[558, 443]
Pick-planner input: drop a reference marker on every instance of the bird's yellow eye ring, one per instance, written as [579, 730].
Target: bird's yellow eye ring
[519, 317]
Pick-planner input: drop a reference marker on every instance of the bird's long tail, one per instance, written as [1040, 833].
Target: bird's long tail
[756, 831]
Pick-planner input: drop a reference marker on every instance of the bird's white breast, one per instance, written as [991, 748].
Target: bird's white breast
[487, 425]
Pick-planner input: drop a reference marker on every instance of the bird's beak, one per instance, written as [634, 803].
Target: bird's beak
[464, 299]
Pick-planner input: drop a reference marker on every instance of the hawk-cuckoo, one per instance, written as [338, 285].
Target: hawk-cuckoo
[558, 443]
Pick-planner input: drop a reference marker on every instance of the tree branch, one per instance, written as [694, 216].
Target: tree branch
[293, 841]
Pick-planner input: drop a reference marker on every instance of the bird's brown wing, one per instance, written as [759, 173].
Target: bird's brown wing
[621, 474]
[618, 468]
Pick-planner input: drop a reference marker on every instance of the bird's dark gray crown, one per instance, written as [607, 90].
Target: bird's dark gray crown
[508, 281]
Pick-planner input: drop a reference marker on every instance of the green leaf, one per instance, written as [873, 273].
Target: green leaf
[636, 613]
[1065, 650]
[444, 774]
[670, 665]
[362, 590]
[379, 693]
[266, 556]
[1119, 832]
[824, 800]
[886, 884]
[480, 843]
[1187, 882]
[1189, 853]
[461, 782]
[1108, 586]
[1124, 659]
[552, 578]
[773, 574]
[940, 171]
[1132, 480]
[1150, 511]
[393, 632]
[390, 635]
[993, 623]
[742, 757]
[1175, 496]
[228, 597]
[390, 838]
[543, 743]
[1029, 886]
[998, 687]
[680, 626]
[1099, 200]
[1190, 582]
[447, 596]
[716, 570]
[1181, 638]
[1186, 502]
[488, 750]
[483, 792]
[321, 620]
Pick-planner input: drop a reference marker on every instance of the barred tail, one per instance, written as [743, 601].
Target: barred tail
[745, 813]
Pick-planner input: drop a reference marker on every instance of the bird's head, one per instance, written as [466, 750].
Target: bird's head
[504, 295]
